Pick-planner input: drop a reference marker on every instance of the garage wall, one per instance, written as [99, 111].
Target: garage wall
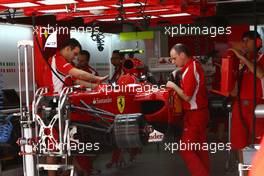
[101, 60]
[260, 29]
[9, 36]
[141, 44]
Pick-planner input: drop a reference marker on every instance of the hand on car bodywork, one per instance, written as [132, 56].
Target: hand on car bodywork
[179, 91]
[101, 79]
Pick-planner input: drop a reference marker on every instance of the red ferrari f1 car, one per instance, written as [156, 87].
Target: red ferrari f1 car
[122, 114]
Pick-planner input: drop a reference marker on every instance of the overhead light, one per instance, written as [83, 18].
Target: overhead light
[97, 12]
[136, 18]
[157, 10]
[93, 8]
[129, 5]
[227, 1]
[176, 15]
[90, 0]
[140, 18]
[57, 2]
[108, 19]
[127, 13]
[84, 15]
[53, 11]
[20, 5]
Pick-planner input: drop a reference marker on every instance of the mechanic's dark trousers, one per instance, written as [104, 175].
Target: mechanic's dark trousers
[116, 156]
[195, 123]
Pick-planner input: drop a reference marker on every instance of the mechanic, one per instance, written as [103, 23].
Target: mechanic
[192, 91]
[117, 158]
[84, 164]
[117, 61]
[243, 105]
[61, 64]
[83, 63]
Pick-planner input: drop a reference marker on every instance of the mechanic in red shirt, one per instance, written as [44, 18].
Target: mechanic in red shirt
[243, 106]
[195, 105]
[117, 159]
[117, 61]
[83, 63]
[84, 164]
[61, 65]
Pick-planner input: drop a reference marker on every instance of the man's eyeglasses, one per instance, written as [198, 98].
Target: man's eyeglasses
[171, 59]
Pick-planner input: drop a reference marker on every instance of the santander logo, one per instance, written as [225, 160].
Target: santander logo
[156, 136]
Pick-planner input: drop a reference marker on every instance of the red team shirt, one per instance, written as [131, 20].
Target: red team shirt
[91, 70]
[118, 72]
[193, 85]
[247, 110]
[62, 68]
[247, 88]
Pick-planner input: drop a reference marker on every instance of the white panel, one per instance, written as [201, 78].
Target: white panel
[9, 36]
[117, 44]
[99, 60]
[260, 29]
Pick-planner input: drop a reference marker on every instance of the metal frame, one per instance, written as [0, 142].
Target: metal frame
[242, 168]
[29, 117]
[229, 153]
[56, 167]
[26, 121]
[64, 134]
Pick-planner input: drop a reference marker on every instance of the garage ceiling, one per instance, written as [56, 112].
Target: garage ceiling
[112, 11]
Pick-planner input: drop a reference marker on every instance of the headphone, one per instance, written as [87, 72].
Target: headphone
[258, 43]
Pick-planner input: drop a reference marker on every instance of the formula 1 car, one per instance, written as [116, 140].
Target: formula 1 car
[120, 114]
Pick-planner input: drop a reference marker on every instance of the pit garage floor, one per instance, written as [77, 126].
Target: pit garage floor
[161, 163]
[153, 161]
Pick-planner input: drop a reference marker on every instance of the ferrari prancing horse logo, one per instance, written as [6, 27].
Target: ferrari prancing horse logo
[121, 103]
